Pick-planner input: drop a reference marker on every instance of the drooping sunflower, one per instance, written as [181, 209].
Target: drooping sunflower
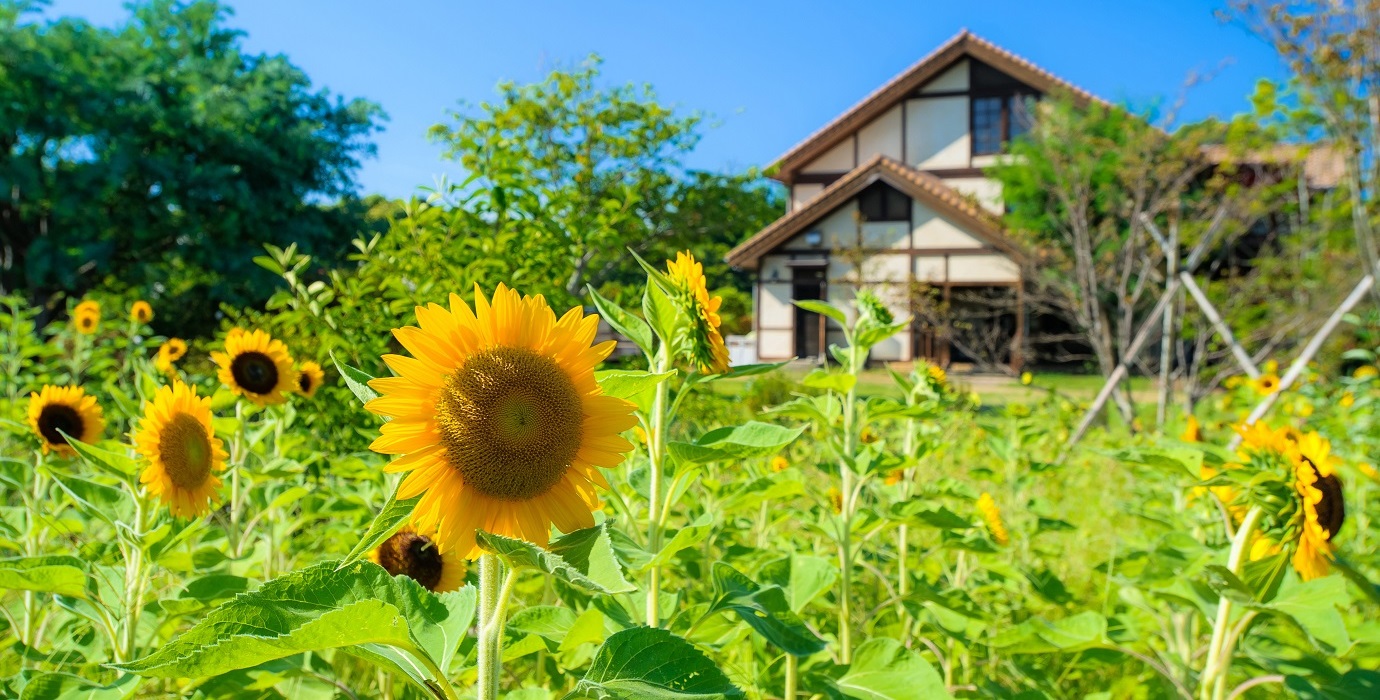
[55, 410]
[991, 515]
[498, 419]
[1324, 511]
[1266, 384]
[141, 312]
[707, 349]
[256, 366]
[416, 556]
[182, 450]
[309, 378]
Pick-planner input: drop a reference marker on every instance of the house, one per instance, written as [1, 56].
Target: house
[891, 196]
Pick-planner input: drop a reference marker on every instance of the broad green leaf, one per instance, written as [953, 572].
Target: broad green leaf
[748, 370]
[1356, 684]
[883, 669]
[314, 609]
[1038, 636]
[357, 380]
[1226, 584]
[583, 558]
[626, 384]
[62, 686]
[802, 577]
[1315, 606]
[390, 519]
[116, 464]
[215, 587]
[643, 663]
[822, 308]
[618, 318]
[661, 313]
[926, 513]
[685, 538]
[830, 381]
[60, 574]
[549, 621]
[1175, 460]
[764, 608]
[95, 500]
[753, 439]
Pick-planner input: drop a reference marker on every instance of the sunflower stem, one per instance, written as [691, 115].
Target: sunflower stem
[792, 677]
[31, 545]
[850, 451]
[1213, 683]
[493, 594]
[655, 454]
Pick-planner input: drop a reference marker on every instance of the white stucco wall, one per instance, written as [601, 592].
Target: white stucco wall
[802, 193]
[929, 268]
[935, 231]
[881, 136]
[983, 268]
[987, 191]
[955, 78]
[886, 234]
[937, 133]
[838, 159]
[775, 345]
[774, 308]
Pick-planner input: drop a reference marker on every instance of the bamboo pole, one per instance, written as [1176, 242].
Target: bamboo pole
[1242, 357]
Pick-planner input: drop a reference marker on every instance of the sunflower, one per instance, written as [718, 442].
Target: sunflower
[86, 316]
[169, 352]
[707, 346]
[1266, 384]
[64, 409]
[87, 307]
[779, 463]
[1192, 432]
[1323, 508]
[414, 555]
[894, 477]
[309, 378]
[835, 497]
[499, 421]
[1347, 400]
[256, 366]
[182, 449]
[1027, 378]
[991, 515]
[937, 373]
[1366, 372]
[141, 312]
[868, 436]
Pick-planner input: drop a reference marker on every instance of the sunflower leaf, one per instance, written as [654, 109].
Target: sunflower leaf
[357, 379]
[584, 558]
[64, 686]
[618, 318]
[653, 664]
[60, 574]
[107, 503]
[883, 669]
[747, 441]
[118, 465]
[357, 609]
[763, 608]
[390, 519]
[627, 384]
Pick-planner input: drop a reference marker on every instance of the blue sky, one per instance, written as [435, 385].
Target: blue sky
[768, 73]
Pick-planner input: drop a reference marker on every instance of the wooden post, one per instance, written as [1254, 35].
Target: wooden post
[1171, 263]
[1242, 357]
[1314, 345]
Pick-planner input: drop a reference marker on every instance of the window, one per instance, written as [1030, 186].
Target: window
[881, 202]
[988, 133]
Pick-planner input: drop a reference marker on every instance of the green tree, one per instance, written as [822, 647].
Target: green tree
[162, 152]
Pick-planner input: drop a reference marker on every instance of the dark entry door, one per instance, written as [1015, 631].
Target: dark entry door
[808, 283]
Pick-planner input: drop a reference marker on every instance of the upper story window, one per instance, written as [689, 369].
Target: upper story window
[882, 202]
[1000, 109]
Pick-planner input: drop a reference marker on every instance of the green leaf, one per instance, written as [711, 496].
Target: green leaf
[1038, 636]
[215, 587]
[802, 577]
[661, 313]
[357, 380]
[1315, 607]
[1175, 460]
[753, 439]
[626, 324]
[685, 538]
[118, 465]
[748, 370]
[583, 558]
[548, 621]
[626, 384]
[390, 519]
[830, 381]
[60, 574]
[823, 308]
[1356, 684]
[62, 686]
[1226, 584]
[318, 608]
[883, 669]
[643, 663]
[107, 503]
[765, 609]
[926, 513]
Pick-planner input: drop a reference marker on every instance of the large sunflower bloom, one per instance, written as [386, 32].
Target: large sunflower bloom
[309, 378]
[65, 409]
[707, 349]
[141, 312]
[498, 419]
[256, 366]
[991, 515]
[414, 555]
[183, 452]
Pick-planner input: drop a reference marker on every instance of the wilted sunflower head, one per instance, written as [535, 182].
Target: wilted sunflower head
[498, 420]
[416, 556]
[705, 346]
[183, 453]
[56, 411]
[141, 312]
[309, 378]
[991, 516]
[256, 366]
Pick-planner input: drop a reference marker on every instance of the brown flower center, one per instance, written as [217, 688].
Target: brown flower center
[304, 382]
[254, 372]
[184, 447]
[511, 422]
[412, 555]
[57, 417]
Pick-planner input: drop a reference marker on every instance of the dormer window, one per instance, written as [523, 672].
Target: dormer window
[882, 202]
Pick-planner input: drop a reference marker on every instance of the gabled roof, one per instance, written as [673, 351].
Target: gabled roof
[918, 185]
[874, 105]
